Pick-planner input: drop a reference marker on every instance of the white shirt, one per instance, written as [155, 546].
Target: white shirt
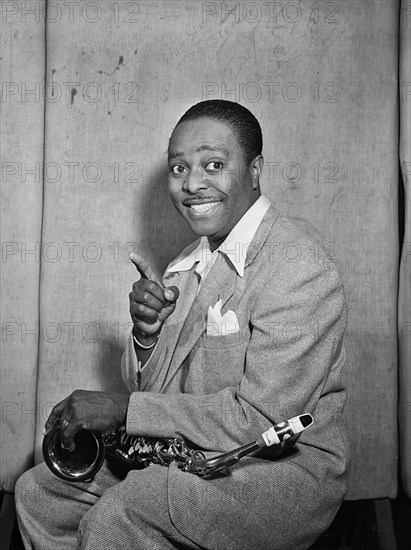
[234, 247]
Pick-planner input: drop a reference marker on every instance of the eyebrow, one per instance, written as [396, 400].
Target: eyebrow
[201, 148]
[212, 148]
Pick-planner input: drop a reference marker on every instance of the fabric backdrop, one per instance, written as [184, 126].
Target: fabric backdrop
[323, 80]
[22, 138]
[404, 299]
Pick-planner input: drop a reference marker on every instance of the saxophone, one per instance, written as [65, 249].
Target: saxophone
[137, 452]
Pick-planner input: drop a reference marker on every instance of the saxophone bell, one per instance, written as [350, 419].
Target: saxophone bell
[78, 465]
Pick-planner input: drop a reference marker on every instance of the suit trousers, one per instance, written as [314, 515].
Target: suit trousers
[106, 513]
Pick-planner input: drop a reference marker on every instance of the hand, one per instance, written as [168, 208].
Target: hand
[90, 410]
[150, 302]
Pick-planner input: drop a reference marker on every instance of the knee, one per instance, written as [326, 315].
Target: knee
[28, 490]
[103, 522]
[25, 490]
[108, 510]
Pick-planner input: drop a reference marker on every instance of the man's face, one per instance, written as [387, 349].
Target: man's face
[209, 182]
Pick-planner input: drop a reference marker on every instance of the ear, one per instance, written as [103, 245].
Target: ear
[256, 168]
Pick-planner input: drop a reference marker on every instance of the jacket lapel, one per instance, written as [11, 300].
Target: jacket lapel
[261, 235]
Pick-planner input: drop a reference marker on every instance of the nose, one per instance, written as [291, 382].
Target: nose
[194, 181]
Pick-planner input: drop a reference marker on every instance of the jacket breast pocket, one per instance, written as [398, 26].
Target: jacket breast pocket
[215, 366]
[216, 362]
[235, 339]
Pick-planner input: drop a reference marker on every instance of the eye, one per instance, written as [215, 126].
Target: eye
[214, 166]
[178, 169]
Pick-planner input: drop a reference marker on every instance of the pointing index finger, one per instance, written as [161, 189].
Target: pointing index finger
[144, 268]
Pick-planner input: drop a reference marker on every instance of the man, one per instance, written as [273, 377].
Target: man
[243, 331]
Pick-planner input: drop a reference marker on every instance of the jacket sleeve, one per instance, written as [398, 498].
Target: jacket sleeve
[292, 362]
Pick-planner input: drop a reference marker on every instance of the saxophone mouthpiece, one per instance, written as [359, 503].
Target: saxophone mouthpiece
[284, 430]
[306, 420]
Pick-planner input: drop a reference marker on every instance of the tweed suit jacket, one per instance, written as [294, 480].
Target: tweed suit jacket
[220, 392]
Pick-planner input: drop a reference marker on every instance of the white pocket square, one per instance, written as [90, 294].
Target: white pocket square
[221, 325]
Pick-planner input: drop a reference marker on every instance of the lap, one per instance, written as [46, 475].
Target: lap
[39, 483]
[132, 510]
[106, 511]
[145, 489]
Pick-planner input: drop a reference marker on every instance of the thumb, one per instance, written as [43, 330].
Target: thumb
[171, 294]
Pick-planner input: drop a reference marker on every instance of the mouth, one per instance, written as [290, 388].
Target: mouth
[204, 209]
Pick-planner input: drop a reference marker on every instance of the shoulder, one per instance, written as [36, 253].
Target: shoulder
[287, 257]
[292, 274]
[289, 243]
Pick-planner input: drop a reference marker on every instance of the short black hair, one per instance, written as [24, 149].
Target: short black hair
[245, 126]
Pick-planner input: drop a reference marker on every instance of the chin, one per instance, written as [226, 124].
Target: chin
[201, 229]
[200, 232]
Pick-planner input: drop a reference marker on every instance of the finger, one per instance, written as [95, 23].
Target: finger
[144, 268]
[65, 419]
[67, 432]
[140, 312]
[147, 292]
[171, 294]
[55, 414]
[64, 423]
[152, 302]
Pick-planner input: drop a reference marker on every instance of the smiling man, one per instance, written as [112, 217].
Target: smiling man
[213, 181]
[237, 335]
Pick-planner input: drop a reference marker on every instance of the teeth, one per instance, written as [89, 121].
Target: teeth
[203, 207]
